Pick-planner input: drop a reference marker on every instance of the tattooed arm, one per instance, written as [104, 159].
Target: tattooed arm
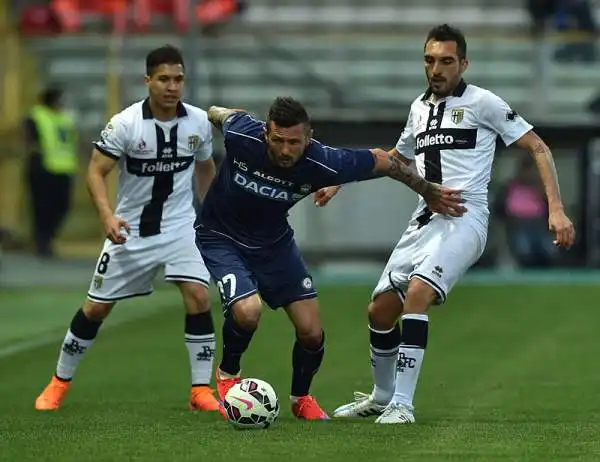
[439, 199]
[558, 222]
[545, 165]
[396, 166]
[391, 164]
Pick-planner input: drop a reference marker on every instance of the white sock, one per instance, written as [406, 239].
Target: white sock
[407, 374]
[201, 350]
[73, 349]
[383, 362]
[410, 358]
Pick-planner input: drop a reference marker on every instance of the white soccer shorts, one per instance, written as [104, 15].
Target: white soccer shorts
[438, 253]
[127, 270]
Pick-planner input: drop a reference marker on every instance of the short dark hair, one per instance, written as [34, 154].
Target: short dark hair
[287, 112]
[167, 54]
[447, 33]
[52, 95]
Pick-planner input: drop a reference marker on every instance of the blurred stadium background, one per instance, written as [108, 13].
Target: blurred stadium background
[357, 65]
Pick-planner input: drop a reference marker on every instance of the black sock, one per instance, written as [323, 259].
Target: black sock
[199, 324]
[235, 342]
[83, 327]
[305, 365]
[385, 340]
[415, 330]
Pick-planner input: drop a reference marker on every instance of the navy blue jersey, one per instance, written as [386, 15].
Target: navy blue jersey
[250, 198]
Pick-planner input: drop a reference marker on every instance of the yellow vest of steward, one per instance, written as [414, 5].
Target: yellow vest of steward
[57, 140]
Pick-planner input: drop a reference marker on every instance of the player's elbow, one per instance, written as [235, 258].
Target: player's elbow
[216, 115]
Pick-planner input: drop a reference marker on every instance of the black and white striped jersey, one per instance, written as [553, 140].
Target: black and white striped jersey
[156, 164]
[453, 140]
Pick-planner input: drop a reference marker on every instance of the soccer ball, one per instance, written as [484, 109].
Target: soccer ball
[252, 403]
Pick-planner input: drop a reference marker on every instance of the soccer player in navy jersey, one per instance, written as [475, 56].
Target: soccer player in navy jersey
[248, 245]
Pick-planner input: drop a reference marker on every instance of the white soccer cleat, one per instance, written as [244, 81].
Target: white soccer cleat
[363, 406]
[396, 413]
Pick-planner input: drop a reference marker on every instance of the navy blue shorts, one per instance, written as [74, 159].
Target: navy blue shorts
[276, 272]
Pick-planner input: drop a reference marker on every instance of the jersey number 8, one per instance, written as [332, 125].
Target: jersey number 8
[103, 263]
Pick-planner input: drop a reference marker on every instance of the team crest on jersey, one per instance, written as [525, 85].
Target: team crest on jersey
[141, 148]
[104, 134]
[457, 115]
[193, 142]
[98, 282]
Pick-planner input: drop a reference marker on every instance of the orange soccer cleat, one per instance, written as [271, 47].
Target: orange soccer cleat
[306, 407]
[53, 395]
[224, 384]
[202, 399]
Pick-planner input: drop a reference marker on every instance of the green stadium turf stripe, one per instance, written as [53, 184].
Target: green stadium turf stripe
[52, 337]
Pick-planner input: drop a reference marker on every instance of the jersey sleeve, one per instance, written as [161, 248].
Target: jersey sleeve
[244, 125]
[205, 150]
[407, 144]
[498, 116]
[113, 139]
[343, 165]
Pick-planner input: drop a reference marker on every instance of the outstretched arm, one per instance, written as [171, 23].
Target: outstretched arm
[439, 199]
[324, 195]
[361, 165]
[392, 164]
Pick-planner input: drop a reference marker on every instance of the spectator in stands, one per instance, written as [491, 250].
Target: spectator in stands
[577, 18]
[522, 204]
[540, 12]
[50, 143]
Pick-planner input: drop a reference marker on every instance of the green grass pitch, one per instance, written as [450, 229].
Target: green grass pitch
[511, 374]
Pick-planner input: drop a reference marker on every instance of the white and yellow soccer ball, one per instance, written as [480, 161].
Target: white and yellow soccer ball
[252, 403]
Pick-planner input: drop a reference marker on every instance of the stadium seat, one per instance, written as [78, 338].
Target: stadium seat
[39, 20]
[209, 12]
[70, 12]
[176, 10]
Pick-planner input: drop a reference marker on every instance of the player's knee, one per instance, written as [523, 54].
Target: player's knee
[311, 339]
[247, 312]
[95, 311]
[195, 297]
[419, 296]
[384, 310]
